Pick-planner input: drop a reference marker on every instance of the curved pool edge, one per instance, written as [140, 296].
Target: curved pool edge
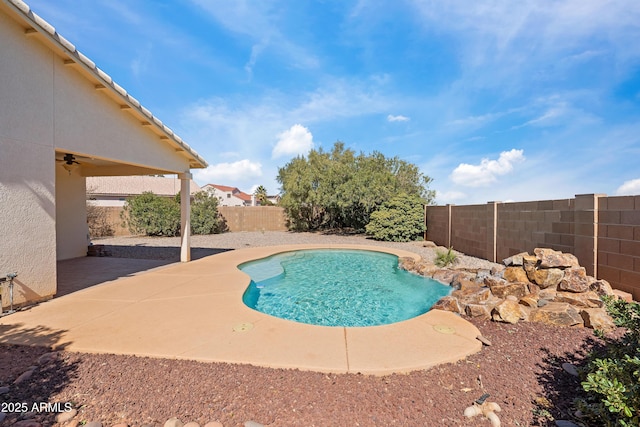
[194, 311]
[401, 347]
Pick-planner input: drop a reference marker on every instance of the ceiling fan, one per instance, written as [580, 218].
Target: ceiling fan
[70, 164]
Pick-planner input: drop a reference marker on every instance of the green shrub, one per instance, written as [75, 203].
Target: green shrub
[204, 214]
[612, 378]
[445, 258]
[400, 219]
[152, 215]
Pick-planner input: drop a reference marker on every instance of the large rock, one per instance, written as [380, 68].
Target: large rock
[478, 310]
[546, 278]
[507, 311]
[602, 288]
[515, 274]
[588, 299]
[515, 260]
[557, 313]
[550, 259]
[549, 294]
[529, 300]
[426, 269]
[447, 303]
[575, 279]
[530, 263]
[505, 289]
[472, 295]
[445, 276]
[597, 318]
[464, 284]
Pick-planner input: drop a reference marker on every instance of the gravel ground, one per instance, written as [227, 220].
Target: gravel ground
[521, 371]
[167, 247]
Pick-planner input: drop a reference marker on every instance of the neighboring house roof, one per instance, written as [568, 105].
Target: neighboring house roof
[243, 196]
[233, 190]
[135, 185]
[104, 82]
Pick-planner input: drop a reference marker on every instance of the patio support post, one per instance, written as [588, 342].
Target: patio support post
[185, 217]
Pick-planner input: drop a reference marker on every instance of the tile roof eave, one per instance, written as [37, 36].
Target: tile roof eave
[47, 30]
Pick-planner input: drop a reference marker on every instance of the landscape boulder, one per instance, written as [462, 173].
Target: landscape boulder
[557, 313]
[548, 258]
[549, 287]
[575, 279]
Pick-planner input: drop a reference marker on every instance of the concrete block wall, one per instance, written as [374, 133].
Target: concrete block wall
[524, 226]
[438, 219]
[469, 229]
[603, 232]
[254, 218]
[238, 218]
[618, 242]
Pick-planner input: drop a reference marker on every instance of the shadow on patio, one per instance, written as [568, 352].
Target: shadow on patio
[81, 273]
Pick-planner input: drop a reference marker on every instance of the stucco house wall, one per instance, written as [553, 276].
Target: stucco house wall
[27, 165]
[54, 101]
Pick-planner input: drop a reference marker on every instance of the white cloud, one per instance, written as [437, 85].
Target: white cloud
[629, 188]
[294, 141]
[447, 197]
[229, 173]
[487, 171]
[399, 118]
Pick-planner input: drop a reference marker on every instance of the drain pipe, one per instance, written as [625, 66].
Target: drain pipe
[9, 277]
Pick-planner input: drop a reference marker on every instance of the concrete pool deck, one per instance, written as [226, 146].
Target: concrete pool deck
[195, 311]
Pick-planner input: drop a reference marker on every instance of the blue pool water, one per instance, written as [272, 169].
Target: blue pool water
[338, 288]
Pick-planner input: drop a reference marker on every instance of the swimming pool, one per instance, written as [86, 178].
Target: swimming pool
[338, 287]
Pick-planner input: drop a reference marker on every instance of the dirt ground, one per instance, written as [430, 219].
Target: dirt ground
[521, 371]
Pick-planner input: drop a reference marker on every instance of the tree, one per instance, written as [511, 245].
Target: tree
[340, 189]
[400, 219]
[261, 196]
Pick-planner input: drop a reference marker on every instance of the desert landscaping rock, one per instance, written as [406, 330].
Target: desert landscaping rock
[191, 424]
[588, 299]
[564, 423]
[548, 287]
[546, 278]
[602, 288]
[548, 258]
[173, 422]
[93, 424]
[213, 424]
[483, 340]
[445, 276]
[575, 279]
[24, 376]
[63, 417]
[27, 423]
[447, 303]
[478, 310]
[253, 424]
[4, 390]
[558, 314]
[507, 311]
[515, 274]
[570, 369]
[596, 319]
[505, 289]
[47, 358]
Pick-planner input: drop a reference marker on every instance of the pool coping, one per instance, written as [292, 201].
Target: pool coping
[194, 311]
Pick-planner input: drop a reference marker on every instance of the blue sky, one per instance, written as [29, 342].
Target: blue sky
[495, 100]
